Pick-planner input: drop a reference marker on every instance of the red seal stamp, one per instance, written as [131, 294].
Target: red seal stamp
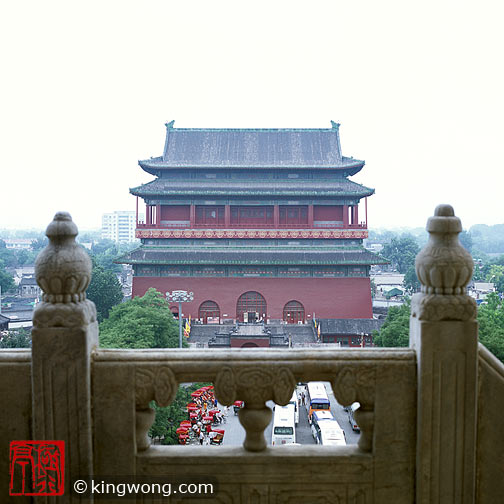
[37, 468]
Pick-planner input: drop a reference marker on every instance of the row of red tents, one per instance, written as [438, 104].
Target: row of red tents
[198, 411]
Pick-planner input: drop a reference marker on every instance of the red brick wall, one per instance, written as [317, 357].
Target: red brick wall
[327, 297]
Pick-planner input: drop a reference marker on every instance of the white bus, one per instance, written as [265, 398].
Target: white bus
[326, 430]
[331, 434]
[295, 402]
[317, 398]
[284, 430]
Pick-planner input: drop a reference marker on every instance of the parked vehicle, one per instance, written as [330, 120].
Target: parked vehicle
[351, 418]
[295, 401]
[326, 430]
[317, 398]
[330, 433]
[237, 405]
[284, 430]
[216, 436]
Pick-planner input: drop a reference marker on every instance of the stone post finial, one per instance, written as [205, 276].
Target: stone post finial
[444, 335]
[444, 268]
[63, 272]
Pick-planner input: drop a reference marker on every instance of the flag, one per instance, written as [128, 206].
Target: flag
[318, 332]
[187, 329]
[315, 323]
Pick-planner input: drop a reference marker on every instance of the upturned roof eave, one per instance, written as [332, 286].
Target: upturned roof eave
[127, 259]
[136, 191]
[247, 262]
[153, 166]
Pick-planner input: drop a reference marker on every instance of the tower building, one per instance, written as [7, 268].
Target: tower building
[260, 224]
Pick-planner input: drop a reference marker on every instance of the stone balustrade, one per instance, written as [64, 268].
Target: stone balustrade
[429, 414]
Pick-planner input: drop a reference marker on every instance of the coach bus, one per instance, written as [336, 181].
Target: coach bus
[295, 402]
[317, 399]
[284, 430]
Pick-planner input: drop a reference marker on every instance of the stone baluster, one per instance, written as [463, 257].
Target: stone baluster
[255, 387]
[356, 383]
[151, 383]
[443, 331]
[64, 334]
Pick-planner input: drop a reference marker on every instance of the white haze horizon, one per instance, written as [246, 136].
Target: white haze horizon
[87, 88]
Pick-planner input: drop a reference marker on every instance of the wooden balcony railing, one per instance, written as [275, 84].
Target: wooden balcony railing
[197, 225]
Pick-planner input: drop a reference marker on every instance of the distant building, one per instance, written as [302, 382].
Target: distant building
[388, 281]
[480, 290]
[19, 243]
[119, 226]
[349, 332]
[18, 310]
[28, 287]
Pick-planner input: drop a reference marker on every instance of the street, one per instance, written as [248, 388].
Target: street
[235, 434]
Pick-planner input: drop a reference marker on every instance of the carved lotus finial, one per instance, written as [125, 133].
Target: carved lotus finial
[444, 266]
[63, 268]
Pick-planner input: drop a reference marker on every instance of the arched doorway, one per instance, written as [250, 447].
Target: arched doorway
[293, 312]
[251, 307]
[249, 344]
[174, 310]
[209, 312]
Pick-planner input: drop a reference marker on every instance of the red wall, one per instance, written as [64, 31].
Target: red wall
[327, 213]
[259, 342]
[175, 212]
[327, 297]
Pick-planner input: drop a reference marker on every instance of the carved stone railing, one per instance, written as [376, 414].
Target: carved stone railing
[257, 376]
[418, 405]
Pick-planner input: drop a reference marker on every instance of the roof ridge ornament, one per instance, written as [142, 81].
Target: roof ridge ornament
[444, 268]
[335, 125]
[169, 125]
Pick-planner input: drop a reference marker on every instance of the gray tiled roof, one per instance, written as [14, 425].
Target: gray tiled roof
[349, 326]
[249, 256]
[251, 148]
[28, 280]
[335, 187]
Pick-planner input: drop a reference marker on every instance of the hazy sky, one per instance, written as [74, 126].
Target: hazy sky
[87, 88]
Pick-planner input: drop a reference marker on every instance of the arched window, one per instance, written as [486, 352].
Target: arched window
[251, 306]
[293, 312]
[209, 312]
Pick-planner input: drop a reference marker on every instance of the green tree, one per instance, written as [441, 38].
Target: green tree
[411, 282]
[6, 280]
[401, 252]
[168, 419]
[142, 322]
[24, 257]
[373, 288]
[104, 290]
[496, 276]
[491, 325]
[106, 252]
[7, 257]
[466, 240]
[395, 330]
[40, 243]
[19, 338]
